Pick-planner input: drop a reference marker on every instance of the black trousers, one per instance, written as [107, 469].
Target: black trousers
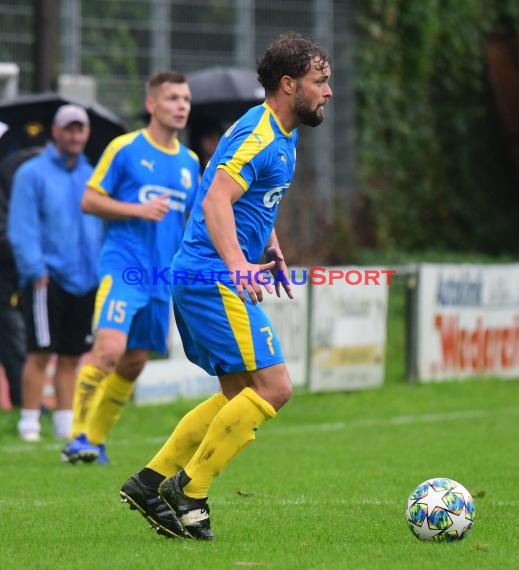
[12, 350]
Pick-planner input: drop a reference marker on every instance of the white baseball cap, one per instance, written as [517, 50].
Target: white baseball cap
[68, 114]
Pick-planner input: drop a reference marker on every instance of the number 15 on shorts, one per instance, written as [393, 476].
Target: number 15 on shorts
[116, 311]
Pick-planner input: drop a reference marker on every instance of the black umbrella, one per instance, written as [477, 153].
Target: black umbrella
[225, 85]
[28, 119]
[220, 95]
[224, 92]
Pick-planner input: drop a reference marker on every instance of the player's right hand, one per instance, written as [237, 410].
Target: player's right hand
[246, 279]
[155, 209]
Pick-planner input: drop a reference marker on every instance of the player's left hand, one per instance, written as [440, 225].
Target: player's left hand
[280, 268]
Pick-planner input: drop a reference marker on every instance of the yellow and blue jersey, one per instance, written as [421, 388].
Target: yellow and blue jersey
[260, 156]
[135, 169]
[219, 332]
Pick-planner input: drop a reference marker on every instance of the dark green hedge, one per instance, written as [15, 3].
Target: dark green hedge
[435, 165]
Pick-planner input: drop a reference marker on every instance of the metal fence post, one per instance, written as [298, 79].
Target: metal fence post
[411, 323]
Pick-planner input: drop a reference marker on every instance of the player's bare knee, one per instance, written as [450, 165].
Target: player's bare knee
[283, 394]
[129, 371]
[107, 361]
[273, 384]
[106, 354]
[278, 393]
[132, 364]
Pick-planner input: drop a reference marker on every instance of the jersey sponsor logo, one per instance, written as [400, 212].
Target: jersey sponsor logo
[185, 178]
[149, 164]
[176, 198]
[273, 197]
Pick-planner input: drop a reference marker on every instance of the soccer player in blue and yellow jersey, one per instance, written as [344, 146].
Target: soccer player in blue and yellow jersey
[143, 185]
[215, 293]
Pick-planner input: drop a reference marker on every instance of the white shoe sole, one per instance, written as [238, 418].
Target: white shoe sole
[30, 437]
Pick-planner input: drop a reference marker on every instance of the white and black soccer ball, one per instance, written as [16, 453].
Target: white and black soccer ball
[440, 509]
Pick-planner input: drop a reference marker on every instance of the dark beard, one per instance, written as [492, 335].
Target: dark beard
[310, 118]
[306, 115]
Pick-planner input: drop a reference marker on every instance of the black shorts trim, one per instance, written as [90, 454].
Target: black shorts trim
[57, 321]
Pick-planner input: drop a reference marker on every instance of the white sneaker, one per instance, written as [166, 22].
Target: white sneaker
[30, 436]
[62, 423]
[29, 427]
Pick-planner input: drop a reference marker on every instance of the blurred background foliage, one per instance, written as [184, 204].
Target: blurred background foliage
[435, 164]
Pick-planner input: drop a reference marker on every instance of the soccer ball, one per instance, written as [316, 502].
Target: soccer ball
[439, 510]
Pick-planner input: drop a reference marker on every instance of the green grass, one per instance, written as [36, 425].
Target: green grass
[378, 257]
[323, 487]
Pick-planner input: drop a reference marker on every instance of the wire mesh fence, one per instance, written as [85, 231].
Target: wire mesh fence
[120, 42]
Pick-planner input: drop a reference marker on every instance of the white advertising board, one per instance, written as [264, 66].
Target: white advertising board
[169, 379]
[468, 321]
[348, 332]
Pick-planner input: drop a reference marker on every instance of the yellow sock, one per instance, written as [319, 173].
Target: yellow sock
[186, 437]
[231, 430]
[115, 393]
[88, 380]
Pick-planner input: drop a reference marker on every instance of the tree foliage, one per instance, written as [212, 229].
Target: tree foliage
[434, 163]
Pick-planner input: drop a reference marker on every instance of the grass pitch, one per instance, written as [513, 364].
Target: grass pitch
[324, 486]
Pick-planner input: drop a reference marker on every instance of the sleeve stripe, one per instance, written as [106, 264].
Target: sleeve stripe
[97, 188]
[241, 181]
[257, 141]
[107, 158]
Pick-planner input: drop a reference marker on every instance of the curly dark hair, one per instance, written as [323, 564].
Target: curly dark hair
[291, 54]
